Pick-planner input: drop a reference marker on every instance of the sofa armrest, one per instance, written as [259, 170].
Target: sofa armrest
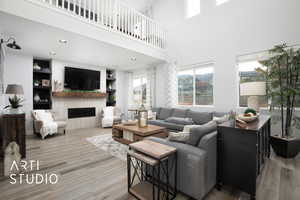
[191, 168]
[209, 144]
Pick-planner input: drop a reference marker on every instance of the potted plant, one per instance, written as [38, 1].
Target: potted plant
[15, 102]
[282, 74]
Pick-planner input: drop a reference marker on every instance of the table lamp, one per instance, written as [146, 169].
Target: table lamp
[253, 90]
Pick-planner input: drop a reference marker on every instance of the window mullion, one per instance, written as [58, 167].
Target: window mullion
[194, 87]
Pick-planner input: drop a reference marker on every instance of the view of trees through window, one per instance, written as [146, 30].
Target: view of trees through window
[139, 90]
[195, 86]
[247, 73]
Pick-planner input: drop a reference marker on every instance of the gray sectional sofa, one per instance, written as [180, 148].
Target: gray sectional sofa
[196, 164]
[163, 114]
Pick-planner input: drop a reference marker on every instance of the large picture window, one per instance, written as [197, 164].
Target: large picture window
[247, 73]
[139, 90]
[195, 86]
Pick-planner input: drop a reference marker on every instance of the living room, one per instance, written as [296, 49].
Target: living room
[92, 91]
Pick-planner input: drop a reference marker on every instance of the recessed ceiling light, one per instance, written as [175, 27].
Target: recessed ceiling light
[63, 41]
[52, 53]
[133, 59]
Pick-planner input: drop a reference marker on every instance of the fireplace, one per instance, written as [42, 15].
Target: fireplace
[81, 112]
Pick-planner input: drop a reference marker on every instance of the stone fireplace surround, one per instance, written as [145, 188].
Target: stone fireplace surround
[61, 105]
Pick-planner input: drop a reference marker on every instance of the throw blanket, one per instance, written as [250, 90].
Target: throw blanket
[108, 118]
[49, 128]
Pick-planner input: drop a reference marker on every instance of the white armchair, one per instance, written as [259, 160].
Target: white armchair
[110, 116]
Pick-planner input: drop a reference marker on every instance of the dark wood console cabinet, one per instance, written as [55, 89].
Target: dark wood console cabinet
[12, 128]
[242, 153]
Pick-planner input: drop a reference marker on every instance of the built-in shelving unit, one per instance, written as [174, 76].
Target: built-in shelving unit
[42, 89]
[111, 87]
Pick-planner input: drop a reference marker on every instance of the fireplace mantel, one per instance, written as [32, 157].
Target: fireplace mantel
[71, 94]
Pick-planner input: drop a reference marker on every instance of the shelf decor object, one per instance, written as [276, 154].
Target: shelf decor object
[111, 85]
[42, 90]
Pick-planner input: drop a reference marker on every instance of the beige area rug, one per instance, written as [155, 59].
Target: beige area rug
[106, 143]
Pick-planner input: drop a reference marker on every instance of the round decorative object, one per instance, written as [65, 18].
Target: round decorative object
[36, 98]
[247, 118]
[36, 66]
[129, 123]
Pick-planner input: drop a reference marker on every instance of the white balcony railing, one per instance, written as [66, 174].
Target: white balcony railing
[112, 15]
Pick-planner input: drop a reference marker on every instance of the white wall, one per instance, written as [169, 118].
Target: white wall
[18, 70]
[221, 33]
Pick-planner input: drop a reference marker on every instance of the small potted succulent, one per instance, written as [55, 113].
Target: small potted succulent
[15, 102]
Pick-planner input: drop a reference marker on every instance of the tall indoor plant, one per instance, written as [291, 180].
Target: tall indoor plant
[283, 88]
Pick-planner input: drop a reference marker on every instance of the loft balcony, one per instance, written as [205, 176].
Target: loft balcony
[109, 21]
[112, 15]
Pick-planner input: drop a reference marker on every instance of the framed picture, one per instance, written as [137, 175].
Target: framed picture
[45, 83]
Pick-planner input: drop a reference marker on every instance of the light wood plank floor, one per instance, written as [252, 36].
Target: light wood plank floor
[88, 173]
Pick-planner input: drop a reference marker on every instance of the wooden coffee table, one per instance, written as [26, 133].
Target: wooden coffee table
[129, 134]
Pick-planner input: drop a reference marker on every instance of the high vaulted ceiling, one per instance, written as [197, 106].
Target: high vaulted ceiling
[39, 40]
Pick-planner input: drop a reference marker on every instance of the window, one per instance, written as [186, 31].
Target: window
[220, 2]
[192, 8]
[247, 74]
[139, 90]
[195, 86]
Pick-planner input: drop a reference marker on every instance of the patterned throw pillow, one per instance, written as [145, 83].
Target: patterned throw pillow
[182, 137]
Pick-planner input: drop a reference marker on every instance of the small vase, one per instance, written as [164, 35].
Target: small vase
[36, 98]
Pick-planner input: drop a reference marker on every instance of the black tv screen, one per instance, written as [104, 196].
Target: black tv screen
[81, 79]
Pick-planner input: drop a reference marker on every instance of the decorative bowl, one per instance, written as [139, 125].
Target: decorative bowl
[247, 118]
[129, 123]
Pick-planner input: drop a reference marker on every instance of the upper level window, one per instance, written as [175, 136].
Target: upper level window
[139, 90]
[192, 8]
[195, 86]
[247, 73]
[220, 2]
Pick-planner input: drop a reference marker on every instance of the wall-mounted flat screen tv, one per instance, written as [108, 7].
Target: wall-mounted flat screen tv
[81, 79]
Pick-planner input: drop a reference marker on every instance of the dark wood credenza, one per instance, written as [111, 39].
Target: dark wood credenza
[242, 153]
[12, 128]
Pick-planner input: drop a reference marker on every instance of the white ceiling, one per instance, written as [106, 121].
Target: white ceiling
[38, 40]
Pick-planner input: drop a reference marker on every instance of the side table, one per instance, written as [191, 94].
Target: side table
[150, 163]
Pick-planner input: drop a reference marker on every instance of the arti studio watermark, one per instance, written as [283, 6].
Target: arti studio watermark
[27, 172]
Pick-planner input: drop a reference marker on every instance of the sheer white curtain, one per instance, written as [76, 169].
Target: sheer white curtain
[171, 86]
[151, 79]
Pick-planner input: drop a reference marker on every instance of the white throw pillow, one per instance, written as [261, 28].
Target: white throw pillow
[44, 116]
[187, 128]
[108, 112]
[220, 120]
[179, 137]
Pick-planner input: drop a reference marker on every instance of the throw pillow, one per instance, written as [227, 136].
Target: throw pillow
[220, 120]
[178, 120]
[197, 133]
[179, 137]
[187, 128]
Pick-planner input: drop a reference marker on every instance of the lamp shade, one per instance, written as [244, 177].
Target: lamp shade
[14, 89]
[253, 89]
